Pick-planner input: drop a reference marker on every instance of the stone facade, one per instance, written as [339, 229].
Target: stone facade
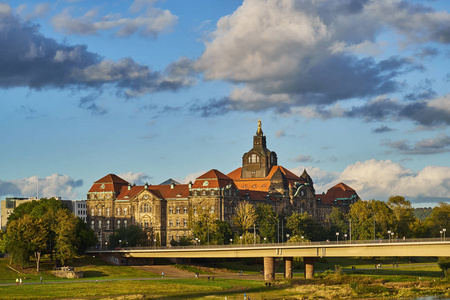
[165, 209]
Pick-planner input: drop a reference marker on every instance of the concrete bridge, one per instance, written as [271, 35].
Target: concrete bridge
[287, 251]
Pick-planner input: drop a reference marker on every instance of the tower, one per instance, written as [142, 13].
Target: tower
[257, 162]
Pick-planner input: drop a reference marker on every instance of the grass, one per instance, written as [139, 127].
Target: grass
[408, 281]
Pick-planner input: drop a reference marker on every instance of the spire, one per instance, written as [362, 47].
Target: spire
[259, 131]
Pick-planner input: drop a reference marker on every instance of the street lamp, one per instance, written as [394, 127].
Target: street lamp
[302, 237]
[240, 239]
[154, 243]
[441, 234]
[392, 236]
[287, 238]
[231, 241]
[337, 237]
[120, 243]
[389, 235]
[106, 245]
[264, 240]
[444, 230]
[345, 236]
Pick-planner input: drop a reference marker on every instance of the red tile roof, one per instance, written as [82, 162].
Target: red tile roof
[109, 183]
[213, 179]
[160, 191]
[337, 194]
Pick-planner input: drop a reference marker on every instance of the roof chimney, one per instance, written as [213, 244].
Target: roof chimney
[190, 184]
[146, 185]
[172, 185]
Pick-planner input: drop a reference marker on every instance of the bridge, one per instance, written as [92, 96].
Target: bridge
[287, 251]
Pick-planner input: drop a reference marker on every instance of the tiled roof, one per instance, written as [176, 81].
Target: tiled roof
[109, 183]
[112, 178]
[160, 191]
[213, 179]
[338, 193]
[262, 184]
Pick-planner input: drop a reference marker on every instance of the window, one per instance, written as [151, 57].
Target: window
[171, 210]
[178, 210]
[118, 211]
[212, 209]
[146, 224]
[184, 222]
[99, 211]
[144, 208]
[178, 236]
[100, 224]
[92, 224]
[108, 225]
[185, 210]
[125, 223]
[170, 223]
[195, 209]
[92, 212]
[254, 158]
[178, 223]
[125, 211]
[118, 224]
[107, 211]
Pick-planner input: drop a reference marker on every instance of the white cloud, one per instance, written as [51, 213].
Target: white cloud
[55, 185]
[138, 178]
[191, 177]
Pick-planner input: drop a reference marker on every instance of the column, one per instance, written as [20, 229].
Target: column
[288, 264]
[309, 267]
[269, 268]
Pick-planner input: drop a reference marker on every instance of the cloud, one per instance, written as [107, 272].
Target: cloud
[438, 144]
[378, 179]
[35, 61]
[55, 185]
[191, 177]
[315, 52]
[138, 178]
[280, 133]
[38, 11]
[382, 129]
[303, 158]
[148, 21]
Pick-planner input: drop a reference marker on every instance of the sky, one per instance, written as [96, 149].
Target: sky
[352, 91]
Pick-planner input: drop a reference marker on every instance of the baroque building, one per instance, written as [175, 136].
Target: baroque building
[164, 210]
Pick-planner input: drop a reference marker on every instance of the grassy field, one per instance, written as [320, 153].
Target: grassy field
[104, 281]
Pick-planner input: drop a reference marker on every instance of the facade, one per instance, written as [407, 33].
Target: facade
[164, 210]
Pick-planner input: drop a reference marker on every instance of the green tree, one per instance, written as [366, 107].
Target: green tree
[338, 221]
[371, 219]
[85, 237]
[245, 216]
[130, 236]
[439, 219]
[222, 234]
[404, 214]
[65, 236]
[26, 236]
[444, 263]
[267, 220]
[203, 224]
[302, 224]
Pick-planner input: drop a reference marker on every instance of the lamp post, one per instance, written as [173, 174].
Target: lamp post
[240, 240]
[337, 237]
[154, 243]
[106, 245]
[392, 236]
[389, 235]
[264, 240]
[287, 237]
[444, 230]
[441, 234]
[120, 243]
[345, 237]
[302, 238]
[231, 241]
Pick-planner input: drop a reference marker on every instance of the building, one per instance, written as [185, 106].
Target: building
[164, 209]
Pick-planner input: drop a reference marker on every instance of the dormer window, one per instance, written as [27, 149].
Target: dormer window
[253, 158]
[205, 183]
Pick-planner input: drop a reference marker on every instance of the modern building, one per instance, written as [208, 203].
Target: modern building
[165, 209]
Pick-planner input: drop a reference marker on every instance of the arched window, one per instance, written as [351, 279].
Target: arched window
[146, 207]
[254, 158]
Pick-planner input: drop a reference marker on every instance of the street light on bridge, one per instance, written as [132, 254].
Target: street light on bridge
[392, 236]
[240, 239]
[337, 237]
[389, 235]
[441, 234]
[287, 237]
[345, 237]
[444, 230]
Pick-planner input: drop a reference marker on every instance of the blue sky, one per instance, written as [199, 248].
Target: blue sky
[152, 90]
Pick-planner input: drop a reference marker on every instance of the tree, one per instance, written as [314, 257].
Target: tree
[245, 216]
[202, 224]
[65, 236]
[24, 237]
[85, 237]
[338, 221]
[371, 219]
[404, 214]
[222, 234]
[439, 219]
[130, 236]
[302, 224]
[267, 220]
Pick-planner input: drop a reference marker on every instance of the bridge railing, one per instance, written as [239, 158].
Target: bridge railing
[319, 243]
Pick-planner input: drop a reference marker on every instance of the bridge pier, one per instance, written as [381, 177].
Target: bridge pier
[288, 270]
[269, 268]
[308, 263]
